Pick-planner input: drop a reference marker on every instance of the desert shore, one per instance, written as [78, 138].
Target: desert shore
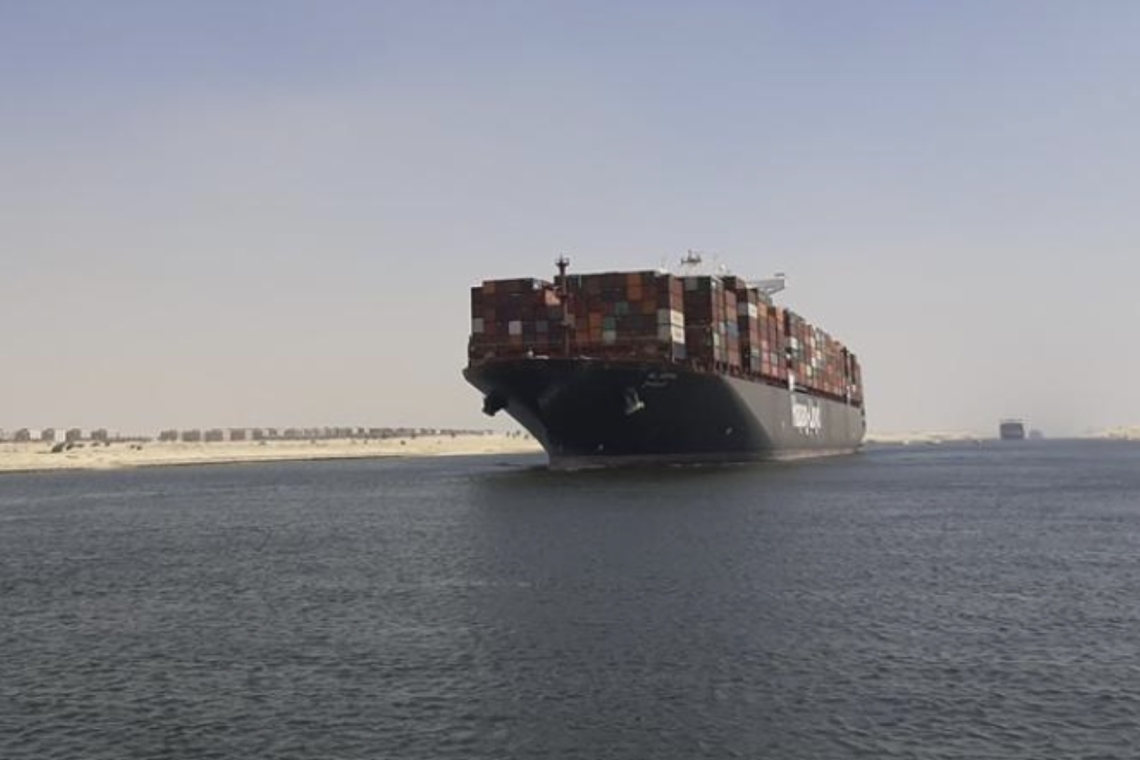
[1121, 434]
[25, 457]
[1110, 434]
[920, 437]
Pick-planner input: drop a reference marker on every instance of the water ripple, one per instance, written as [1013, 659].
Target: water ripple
[954, 603]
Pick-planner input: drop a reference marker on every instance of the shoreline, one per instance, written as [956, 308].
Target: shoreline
[38, 457]
[915, 439]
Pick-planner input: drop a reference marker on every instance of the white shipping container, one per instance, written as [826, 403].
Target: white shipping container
[678, 334]
[514, 327]
[609, 336]
[477, 326]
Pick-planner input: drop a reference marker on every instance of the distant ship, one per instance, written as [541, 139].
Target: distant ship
[1012, 430]
[627, 367]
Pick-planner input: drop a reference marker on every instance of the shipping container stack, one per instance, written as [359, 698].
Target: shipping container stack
[803, 354]
[838, 363]
[627, 315]
[807, 355]
[732, 330]
[818, 362]
[514, 318]
[831, 366]
[813, 364]
[712, 333]
[773, 366]
[715, 323]
[828, 361]
[671, 313]
[856, 382]
[621, 315]
[792, 350]
[750, 316]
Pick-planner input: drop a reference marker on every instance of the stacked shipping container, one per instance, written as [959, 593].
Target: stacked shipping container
[627, 315]
[713, 323]
[706, 324]
[512, 317]
[619, 315]
[818, 362]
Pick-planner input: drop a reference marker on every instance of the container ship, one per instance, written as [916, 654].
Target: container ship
[657, 367]
[1011, 430]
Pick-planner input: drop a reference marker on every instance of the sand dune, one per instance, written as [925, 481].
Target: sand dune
[15, 457]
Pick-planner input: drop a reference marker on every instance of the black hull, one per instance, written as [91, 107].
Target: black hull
[1012, 431]
[595, 413]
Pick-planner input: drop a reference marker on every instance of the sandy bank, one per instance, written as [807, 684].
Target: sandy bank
[1123, 433]
[18, 457]
[922, 437]
[1119, 434]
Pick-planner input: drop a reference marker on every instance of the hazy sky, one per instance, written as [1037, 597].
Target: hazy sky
[271, 212]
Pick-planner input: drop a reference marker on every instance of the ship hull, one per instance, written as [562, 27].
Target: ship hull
[588, 413]
[1012, 431]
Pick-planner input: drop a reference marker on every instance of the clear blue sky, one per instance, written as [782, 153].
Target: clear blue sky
[271, 212]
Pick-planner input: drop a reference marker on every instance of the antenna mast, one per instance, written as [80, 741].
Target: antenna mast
[563, 262]
[691, 260]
